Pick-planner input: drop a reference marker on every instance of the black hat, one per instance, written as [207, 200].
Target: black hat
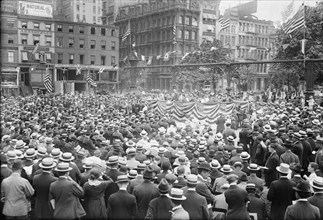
[288, 143]
[164, 186]
[204, 166]
[148, 173]
[303, 186]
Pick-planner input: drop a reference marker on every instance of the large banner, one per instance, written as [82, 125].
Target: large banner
[35, 9]
[183, 111]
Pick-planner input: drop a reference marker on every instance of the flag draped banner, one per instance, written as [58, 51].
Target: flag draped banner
[90, 80]
[174, 34]
[127, 33]
[224, 23]
[48, 81]
[296, 22]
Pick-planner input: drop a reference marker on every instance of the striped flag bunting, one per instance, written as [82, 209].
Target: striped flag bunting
[48, 81]
[224, 23]
[35, 49]
[296, 22]
[90, 80]
[174, 34]
[127, 33]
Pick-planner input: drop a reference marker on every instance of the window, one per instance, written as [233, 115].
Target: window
[59, 27]
[113, 45]
[81, 59]
[48, 56]
[99, 19]
[181, 19]
[102, 60]
[113, 32]
[24, 56]
[103, 44]
[92, 59]
[36, 26]
[59, 42]
[82, 43]
[71, 59]
[10, 56]
[59, 58]
[187, 20]
[71, 28]
[24, 24]
[103, 31]
[48, 41]
[94, 19]
[92, 30]
[36, 56]
[113, 60]
[180, 34]
[10, 24]
[83, 18]
[81, 30]
[193, 35]
[187, 35]
[70, 42]
[77, 7]
[36, 39]
[48, 27]
[77, 17]
[10, 40]
[194, 22]
[94, 9]
[92, 44]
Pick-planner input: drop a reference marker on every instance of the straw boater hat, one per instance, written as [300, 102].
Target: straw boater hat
[20, 145]
[19, 154]
[283, 168]
[63, 167]
[176, 194]
[244, 155]
[253, 167]
[66, 157]
[317, 183]
[56, 153]
[132, 174]
[30, 153]
[47, 163]
[122, 179]
[215, 164]
[41, 151]
[113, 160]
[11, 155]
[226, 169]
[88, 164]
[191, 179]
[230, 139]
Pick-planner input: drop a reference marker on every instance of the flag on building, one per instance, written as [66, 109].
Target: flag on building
[296, 22]
[174, 34]
[150, 60]
[158, 57]
[18, 69]
[224, 23]
[78, 70]
[166, 57]
[188, 53]
[35, 49]
[48, 81]
[101, 69]
[90, 80]
[127, 33]
[143, 58]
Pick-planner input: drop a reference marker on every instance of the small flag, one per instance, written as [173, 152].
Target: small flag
[150, 60]
[78, 70]
[166, 57]
[224, 23]
[143, 58]
[90, 80]
[127, 33]
[303, 43]
[125, 59]
[64, 70]
[296, 22]
[158, 57]
[101, 69]
[174, 34]
[18, 69]
[35, 49]
[48, 81]
[188, 53]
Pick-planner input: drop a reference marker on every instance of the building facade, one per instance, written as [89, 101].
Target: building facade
[162, 32]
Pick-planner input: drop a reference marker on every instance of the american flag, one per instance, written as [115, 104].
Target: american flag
[48, 81]
[296, 22]
[224, 23]
[90, 80]
[127, 33]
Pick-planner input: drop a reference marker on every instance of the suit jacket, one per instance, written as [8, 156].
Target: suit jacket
[257, 181]
[144, 193]
[135, 182]
[159, 208]
[41, 184]
[203, 190]
[271, 173]
[195, 205]
[122, 205]
[5, 172]
[289, 157]
[298, 150]
[258, 206]
[236, 199]
[280, 194]
[66, 194]
[179, 213]
[302, 210]
[307, 152]
[244, 138]
[317, 200]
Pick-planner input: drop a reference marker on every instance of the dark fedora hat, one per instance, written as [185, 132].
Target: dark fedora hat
[148, 173]
[296, 167]
[164, 186]
[303, 186]
[288, 143]
[204, 166]
[122, 178]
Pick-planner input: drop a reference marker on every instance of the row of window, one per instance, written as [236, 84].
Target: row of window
[262, 29]
[82, 44]
[36, 26]
[94, 9]
[81, 59]
[35, 39]
[94, 19]
[250, 40]
[252, 54]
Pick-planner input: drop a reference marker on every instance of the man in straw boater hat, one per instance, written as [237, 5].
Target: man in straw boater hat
[145, 192]
[195, 204]
[159, 207]
[122, 205]
[280, 193]
[317, 198]
[64, 195]
[218, 182]
[177, 197]
[302, 209]
[41, 184]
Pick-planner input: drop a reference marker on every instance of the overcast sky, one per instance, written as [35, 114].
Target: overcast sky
[268, 9]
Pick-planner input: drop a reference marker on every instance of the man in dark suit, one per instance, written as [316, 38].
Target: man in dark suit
[113, 174]
[280, 193]
[289, 157]
[302, 209]
[203, 186]
[256, 204]
[41, 184]
[237, 200]
[244, 137]
[271, 164]
[194, 204]
[317, 198]
[122, 205]
[160, 207]
[145, 192]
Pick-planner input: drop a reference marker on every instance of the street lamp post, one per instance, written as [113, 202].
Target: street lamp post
[133, 60]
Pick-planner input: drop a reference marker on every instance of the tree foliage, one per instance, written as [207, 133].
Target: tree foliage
[289, 48]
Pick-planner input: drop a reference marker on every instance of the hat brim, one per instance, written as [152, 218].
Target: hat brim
[316, 187]
[122, 181]
[225, 171]
[278, 169]
[65, 160]
[258, 168]
[176, 198]
[48, 167]
[30, 156]
[68, 169]
[298, 190]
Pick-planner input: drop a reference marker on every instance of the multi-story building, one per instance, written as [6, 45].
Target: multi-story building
[158, 28]
[85, 11]
[9, 49]
[208, 21]
[85, 48]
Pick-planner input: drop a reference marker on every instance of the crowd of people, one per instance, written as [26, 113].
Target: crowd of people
[115, 157]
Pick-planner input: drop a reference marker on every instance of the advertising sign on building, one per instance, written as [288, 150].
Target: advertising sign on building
[35, 9]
